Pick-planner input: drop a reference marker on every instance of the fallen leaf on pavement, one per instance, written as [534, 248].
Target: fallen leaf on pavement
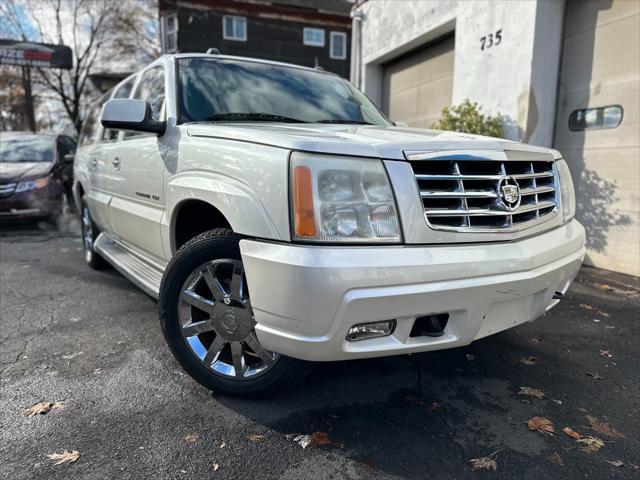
[485, 463]
[604, 286]
[216, 467]
[616, 463]
[64, 457]
[541, 424]
[322, 438]
[191, 438]
[531, 392]
[572, 433]
[597, 376]
[605, 353]
[302, 440]
[435, 406]
[222, 445]
[535, 341]
[592, 308]
[43, 408]
[603, 427]
[255, 438]
[556, 458]
[470, 356]
[528, 360]
[591, 444]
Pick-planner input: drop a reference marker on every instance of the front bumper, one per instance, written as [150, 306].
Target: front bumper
[33, 203]
[305, 298]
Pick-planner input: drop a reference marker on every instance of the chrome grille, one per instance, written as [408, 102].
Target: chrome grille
[7, 189]
[468, 195]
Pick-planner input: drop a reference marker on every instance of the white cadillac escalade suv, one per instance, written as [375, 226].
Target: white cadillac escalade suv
[279, 218]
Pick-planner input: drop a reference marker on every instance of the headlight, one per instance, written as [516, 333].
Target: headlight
[567, 193]
[32, 184]
[342, 199]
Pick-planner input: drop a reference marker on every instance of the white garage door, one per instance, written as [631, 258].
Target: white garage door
[417, 86]
[598, 127]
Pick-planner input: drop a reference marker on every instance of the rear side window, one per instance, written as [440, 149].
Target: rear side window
[123, 91]
[89, 126]
[151, 89]
[601, 117]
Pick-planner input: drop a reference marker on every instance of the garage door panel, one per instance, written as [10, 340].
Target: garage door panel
[626, 94]
[601, 67]
[584, 12]
[601, 59]
[418, 86]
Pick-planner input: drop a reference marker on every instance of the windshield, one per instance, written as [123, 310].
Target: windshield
[27, 149]
[233, 90]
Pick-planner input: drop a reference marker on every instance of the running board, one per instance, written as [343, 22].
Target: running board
[143, 272]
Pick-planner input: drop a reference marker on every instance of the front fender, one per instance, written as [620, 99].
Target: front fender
[243, 210]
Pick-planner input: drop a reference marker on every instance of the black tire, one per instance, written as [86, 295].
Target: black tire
[221, 243]
[90, 231]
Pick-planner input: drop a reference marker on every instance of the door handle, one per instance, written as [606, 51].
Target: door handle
[116, 162]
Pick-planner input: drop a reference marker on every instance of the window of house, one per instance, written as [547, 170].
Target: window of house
[151, 89]
[313, 37]
[601, 117]
[170, 33]
[338, 47]
[234, 28]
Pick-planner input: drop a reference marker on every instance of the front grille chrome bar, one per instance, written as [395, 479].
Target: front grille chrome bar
[475, 212]
[486, 194]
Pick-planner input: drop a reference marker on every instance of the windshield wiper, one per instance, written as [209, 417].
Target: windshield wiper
[251, 117]
[339, 120]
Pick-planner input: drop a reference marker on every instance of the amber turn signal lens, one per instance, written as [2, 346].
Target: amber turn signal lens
[305, 223]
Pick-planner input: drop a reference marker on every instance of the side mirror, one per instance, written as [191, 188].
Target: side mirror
[68, 158]
[127, 114]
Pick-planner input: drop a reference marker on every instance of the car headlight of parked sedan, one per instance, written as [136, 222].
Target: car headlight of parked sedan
[35, 184]
[342, 199]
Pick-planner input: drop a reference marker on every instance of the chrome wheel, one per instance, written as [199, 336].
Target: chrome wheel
[87, 234]
[217, 323]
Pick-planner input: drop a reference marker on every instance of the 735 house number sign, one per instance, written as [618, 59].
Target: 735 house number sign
[491, 40]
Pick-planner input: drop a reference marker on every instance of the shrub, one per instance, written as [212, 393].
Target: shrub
[466, 118]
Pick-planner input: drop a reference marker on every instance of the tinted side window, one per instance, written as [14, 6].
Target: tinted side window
[89, 126]
[65, 146]
[151, 89]
[123, 91]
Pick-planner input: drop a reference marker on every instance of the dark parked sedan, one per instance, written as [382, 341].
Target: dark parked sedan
[35, 176]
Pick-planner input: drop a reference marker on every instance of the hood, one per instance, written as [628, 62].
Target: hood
[388, 142]
[17, 171]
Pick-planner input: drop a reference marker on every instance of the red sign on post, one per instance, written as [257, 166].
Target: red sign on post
[31, 54]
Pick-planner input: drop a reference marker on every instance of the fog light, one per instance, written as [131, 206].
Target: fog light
[362, 331]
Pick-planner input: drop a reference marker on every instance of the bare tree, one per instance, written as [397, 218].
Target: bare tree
[96, 31]
[12, 114]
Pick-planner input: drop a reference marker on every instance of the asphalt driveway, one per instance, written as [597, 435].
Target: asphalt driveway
[92, 341]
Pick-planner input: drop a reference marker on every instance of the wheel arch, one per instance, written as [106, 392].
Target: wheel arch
[191, 217]
[215, 201]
